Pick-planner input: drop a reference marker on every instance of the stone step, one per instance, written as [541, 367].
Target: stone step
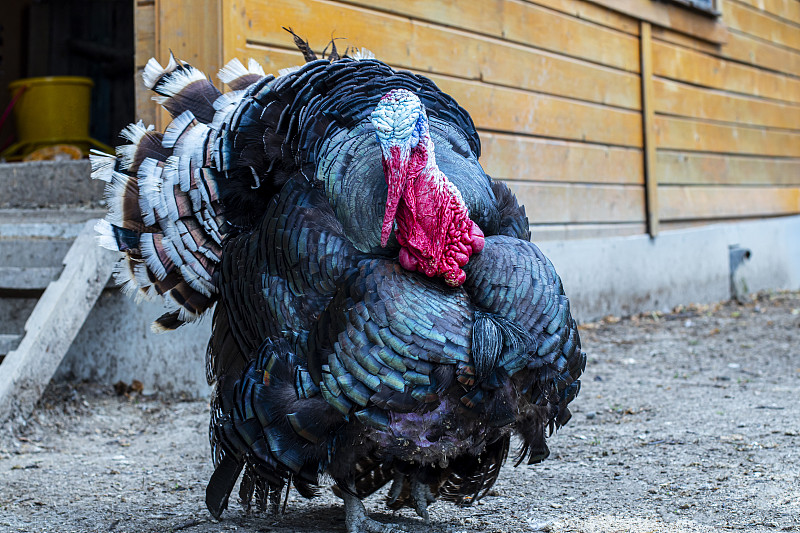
[33, 251]
[53, 324]
[8, 342]
[38, 184]
[16, 278]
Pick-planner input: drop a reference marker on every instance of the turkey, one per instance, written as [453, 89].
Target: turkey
[379, 314]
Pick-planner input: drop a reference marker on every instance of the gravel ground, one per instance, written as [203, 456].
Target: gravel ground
[686, 422]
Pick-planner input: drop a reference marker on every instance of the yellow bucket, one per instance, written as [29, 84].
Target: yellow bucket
[52, 110]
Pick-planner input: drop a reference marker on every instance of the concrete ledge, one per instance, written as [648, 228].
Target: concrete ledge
[618, 275]
[116, 343]
[626, 275]
[48, 183]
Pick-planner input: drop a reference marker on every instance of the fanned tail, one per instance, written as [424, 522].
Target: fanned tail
[164, 208]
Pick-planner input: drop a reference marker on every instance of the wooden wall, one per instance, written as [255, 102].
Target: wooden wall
[728, 117]
[556, 90]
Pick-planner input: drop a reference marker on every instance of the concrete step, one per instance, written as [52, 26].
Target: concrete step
[48, 183]
[54, 323]
[16, 278]
[8, 342]
[33, 243]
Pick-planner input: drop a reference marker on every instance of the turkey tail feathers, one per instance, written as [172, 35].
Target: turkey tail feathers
[180, 87]
[221, 484]
[239, 77]
[163, 197]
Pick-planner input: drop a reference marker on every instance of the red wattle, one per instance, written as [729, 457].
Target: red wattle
[433, 225]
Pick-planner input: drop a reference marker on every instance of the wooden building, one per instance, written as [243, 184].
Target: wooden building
[611, 117]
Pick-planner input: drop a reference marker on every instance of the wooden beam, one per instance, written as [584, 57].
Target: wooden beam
[671, 16]
[698, 68]
[695, 135]
[234, 37]
[519, 23]
[687, 168]
[522, 158]
[568, 203]
[648, 129]
[754, 22]
[694, 202]
[192, 30]
[684, 100]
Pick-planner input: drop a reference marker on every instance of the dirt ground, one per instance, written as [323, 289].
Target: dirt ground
[686, 422]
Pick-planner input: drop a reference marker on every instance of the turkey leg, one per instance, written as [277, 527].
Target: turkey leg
[357, 521]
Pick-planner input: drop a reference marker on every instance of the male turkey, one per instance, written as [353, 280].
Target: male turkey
[380, 314]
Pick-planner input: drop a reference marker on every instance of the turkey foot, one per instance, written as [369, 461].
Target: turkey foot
[421, 497]
[357, 521]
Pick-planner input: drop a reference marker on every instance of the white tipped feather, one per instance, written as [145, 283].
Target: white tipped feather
[288, 70]
[151, 258]
[225, 105]
[176, 128]
[235, 69]
[362, 54]
[254, 67]
[153, 71]
[102, 165]
[149, 179]
[232, 70]
[184, 315]
[123, 277]
[178, 80]
[105, 237]
[125, 155]
[114, 196]
[133, 133]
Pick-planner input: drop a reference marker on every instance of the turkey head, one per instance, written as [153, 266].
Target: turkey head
[434, 230]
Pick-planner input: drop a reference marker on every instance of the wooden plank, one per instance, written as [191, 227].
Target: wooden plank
[482, 17]
[754, 22]
[190, 29]
[557, 203]
[648, 127]
[486, 16]
[670, 16]
[563, 34]
[551, 232]
[740, 47]
[692, 135]
[785, 9]
[234, 29]
[145, 107]
[553, 117]
[748, 49]
[683, 64]
[677, 168]
[513, 157]
[273, 59]
[515, 111]
[53, 324]
[673, 98]
[713, 202]
[429, 48]
[522, 23]
[594, 13]
[145, 29]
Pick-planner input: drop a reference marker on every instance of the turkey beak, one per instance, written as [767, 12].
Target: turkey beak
[395, 169]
